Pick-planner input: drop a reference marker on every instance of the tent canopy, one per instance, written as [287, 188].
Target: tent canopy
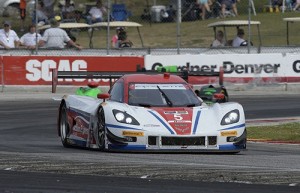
[289, 20]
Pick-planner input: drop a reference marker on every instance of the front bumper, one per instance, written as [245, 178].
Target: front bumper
[177, 144]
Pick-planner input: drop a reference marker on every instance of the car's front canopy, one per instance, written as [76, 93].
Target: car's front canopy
[160, 95]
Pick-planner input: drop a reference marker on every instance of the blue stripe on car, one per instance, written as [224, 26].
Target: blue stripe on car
[196, 121]
[162, 122]
[229, 147]
[79, 142]
[121, 127]
[127, 147]
[234, 127]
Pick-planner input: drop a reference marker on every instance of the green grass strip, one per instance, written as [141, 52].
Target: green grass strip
[284, 132]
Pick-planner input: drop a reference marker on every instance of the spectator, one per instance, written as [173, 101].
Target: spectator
[68, 11]
[30, 39]
[40, 15]
[8, 37]
[124, 42]
[219, 41]
[146, 15]
[114, 39]
[172, 13]
[204, 5]
[96, 13]
[289, 5]
[56, 37]
[49, 7]
[276, 3]
[229, 4]
[297, 5]
[216, 8]
[22, 13]
[165, 16]
[239, 39]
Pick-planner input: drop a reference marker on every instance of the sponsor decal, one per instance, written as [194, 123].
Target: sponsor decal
[37, 70]
[133, 133]
[230, 67]
[296, 66]
[151, 125]
[182, 130]
[179, 121]
[176, 112]
[161, 86]
[180, 125]
[188, 67]
[228, 133]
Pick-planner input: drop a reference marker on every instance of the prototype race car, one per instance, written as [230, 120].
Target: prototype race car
[207, 93]
[157, 112]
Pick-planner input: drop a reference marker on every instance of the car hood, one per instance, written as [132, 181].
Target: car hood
[180, 118]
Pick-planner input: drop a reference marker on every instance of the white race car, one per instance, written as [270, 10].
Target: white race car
[158, 113]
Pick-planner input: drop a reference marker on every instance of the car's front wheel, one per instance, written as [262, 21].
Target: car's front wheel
[64, 126]
[101, 130]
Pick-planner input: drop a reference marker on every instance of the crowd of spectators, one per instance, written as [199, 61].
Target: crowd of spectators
[217, 8]
[54, 37]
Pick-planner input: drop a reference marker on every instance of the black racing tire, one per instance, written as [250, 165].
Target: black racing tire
[101, 130]
[64, 127]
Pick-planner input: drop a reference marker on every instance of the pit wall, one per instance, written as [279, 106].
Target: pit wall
[238, 68]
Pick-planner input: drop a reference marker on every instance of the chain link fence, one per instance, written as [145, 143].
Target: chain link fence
[173, 26]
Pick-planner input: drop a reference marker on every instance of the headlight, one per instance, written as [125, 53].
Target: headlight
[123, 117]
[231, 117]
[120, 116]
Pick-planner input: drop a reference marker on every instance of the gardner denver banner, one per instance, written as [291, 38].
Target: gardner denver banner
[238, 68]
[37, 70]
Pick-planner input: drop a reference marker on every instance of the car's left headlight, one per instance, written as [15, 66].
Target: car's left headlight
[231, 117]
[124, 117]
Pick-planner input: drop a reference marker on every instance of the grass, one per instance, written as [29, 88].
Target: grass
[284, 132]
[194, 33]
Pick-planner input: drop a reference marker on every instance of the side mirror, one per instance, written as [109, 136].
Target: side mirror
[219, 96]
[103, 96]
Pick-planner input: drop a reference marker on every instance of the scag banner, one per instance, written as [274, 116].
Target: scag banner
[37, 70]
[239, 68]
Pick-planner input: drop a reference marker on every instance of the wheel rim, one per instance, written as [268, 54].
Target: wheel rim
[101, 129]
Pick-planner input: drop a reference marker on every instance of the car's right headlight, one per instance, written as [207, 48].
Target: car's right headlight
[124, 117]
[231, 117]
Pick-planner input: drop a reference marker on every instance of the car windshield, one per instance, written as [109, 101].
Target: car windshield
[162, 95]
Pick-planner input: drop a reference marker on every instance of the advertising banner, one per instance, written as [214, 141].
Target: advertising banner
[37, 70]
[238, 68]
[292, 63]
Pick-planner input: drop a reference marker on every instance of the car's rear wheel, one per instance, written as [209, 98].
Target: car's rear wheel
[64, 126]
[101, 130]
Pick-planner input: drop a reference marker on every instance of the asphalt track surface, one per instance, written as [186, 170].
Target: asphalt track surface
[33, 159]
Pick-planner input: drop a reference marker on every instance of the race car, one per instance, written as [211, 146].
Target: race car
[151, 113]
[207, 93]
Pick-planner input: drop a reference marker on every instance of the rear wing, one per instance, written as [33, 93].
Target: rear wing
[116, 75]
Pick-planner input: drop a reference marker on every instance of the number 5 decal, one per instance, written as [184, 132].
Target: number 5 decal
[178, 117]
